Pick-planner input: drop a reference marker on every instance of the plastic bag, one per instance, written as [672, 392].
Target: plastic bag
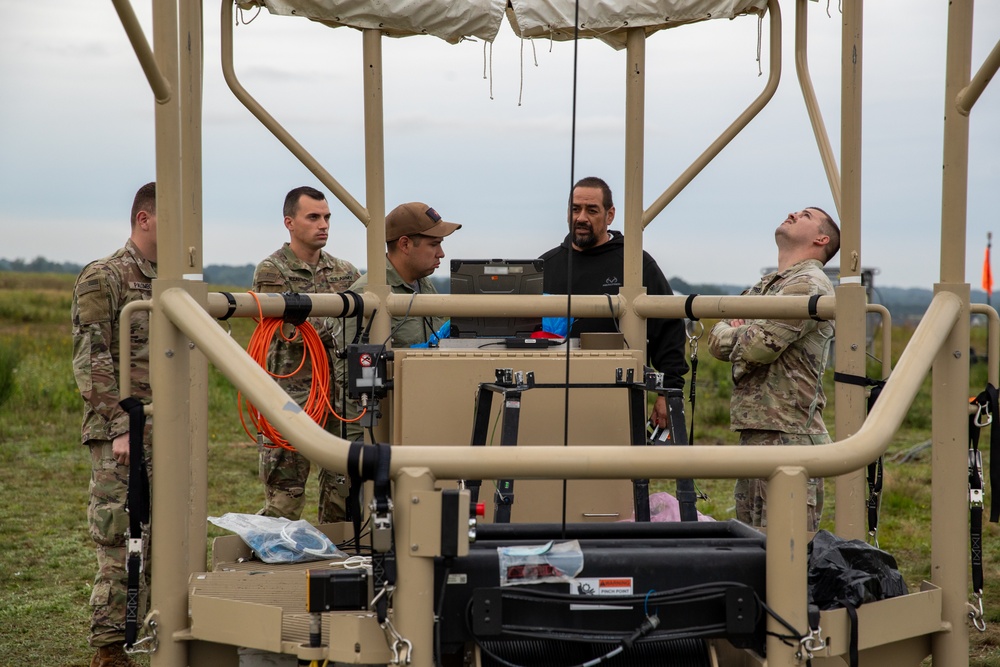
[544, 562]
[850, 571]
[278, 540]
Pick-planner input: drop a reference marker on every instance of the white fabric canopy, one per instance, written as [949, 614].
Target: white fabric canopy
[454, 20]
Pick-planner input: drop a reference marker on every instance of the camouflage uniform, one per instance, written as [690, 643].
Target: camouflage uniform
[101, 291]
[405, 331]
[284, 472]
[778, 395]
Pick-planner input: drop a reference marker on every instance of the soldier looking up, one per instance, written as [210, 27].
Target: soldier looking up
[778, 365]
[301, 265]
[102, 289]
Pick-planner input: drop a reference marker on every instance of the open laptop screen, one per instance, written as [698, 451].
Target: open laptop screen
[495, 276]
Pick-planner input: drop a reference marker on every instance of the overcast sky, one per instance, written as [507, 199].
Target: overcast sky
[76, 136]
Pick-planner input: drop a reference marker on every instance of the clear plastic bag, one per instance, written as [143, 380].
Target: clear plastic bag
[535, 564]
[278, 540]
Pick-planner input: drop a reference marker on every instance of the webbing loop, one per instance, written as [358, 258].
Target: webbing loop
[138, 513]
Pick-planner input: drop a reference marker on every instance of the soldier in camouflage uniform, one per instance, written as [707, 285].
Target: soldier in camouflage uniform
[414, 233]
[101, 291]
[301, 265]
[778, 365]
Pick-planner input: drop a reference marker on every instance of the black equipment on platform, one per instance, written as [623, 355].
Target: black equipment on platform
[701, 579]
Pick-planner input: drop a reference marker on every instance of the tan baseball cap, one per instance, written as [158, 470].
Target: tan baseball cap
[416, 218]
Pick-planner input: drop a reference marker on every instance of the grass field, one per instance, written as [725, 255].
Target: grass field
[46, 557]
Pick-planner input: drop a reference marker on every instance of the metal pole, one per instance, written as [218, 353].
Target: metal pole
[851, 340]
[169, 357]
[812, 105]
[191, 66]
[949, 430]
[633, 326]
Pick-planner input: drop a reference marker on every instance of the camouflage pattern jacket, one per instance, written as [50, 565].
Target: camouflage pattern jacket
[778, 364]
[101, 291]
[282, 271]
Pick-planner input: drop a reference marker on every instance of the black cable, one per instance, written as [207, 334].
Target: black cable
[569, 249]
[694, 592]
[438, 607]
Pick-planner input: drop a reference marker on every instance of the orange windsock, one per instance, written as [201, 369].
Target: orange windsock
[987, 272]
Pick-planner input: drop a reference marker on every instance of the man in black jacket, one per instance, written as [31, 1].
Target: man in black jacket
[598, 268]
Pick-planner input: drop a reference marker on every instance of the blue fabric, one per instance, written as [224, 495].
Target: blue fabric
[436, 337]
[557, 325]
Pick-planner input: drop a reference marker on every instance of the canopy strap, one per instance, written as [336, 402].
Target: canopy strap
[986, 408]
[875, 468]
[138, 513]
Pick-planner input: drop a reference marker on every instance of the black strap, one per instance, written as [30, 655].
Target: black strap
[383, 563]
[381, 490]
[138, 513]
[976, 544]
[983, 403]
[875, 474]
[852, 615]
[688, 302]
[354, 508]
[297, 307]
[993, 397]
[876, 470]
[691, 394]
[359, 313]
[857, 380]
[813, 310]
[232, 306]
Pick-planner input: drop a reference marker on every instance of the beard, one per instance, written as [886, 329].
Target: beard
[584, 237]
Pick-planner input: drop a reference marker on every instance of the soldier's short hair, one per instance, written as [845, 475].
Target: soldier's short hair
[145, 200]
[291, 206]
[830, 228]
[594, 182]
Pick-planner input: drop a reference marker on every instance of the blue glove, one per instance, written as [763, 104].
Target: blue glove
[557, 325]
[436, 337]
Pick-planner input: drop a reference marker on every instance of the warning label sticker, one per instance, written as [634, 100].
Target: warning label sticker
[600, 587]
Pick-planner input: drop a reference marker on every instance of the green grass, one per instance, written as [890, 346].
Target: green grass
[47, 562]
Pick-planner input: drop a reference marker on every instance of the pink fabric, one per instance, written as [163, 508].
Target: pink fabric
[664, 507]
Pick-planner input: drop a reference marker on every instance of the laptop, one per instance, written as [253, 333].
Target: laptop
[498, 276]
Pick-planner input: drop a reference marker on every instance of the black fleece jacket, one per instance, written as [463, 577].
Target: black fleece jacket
[601, 270]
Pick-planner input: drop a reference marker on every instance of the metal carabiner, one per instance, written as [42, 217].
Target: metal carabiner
[150, 639]
[694, 330]
[811, 644]
[983, 415]
[976, 615]
[397, 642]
[873, 538]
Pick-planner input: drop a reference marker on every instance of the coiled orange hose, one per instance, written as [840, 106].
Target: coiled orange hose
[317, 405]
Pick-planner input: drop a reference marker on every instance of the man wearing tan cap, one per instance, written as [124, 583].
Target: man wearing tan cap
[414, 233]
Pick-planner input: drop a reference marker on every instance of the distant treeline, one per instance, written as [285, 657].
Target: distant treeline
[905, 304]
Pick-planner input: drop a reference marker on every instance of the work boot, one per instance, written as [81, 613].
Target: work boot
[112, 656]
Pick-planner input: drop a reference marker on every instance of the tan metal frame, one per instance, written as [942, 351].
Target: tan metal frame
[184, 334]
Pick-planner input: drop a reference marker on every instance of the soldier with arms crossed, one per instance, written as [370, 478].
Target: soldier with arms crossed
[778, 365]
